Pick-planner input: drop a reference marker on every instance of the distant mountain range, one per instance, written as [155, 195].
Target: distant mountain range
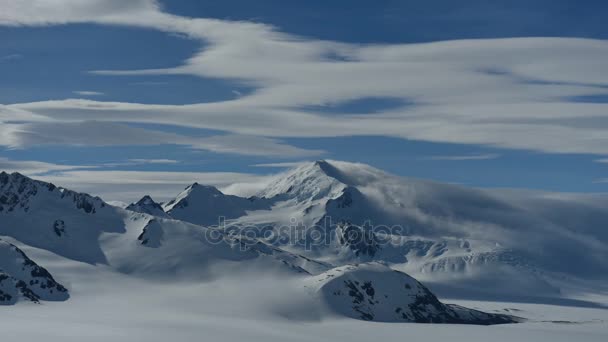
[352, 233]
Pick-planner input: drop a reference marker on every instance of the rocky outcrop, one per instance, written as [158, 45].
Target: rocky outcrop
[147, 205]
[374, 292]
[22, 278]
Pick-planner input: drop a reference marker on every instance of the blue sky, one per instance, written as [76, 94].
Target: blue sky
[452, 91]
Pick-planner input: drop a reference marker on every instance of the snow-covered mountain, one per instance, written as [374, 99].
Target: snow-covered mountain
[326, 224]
[147, 205]
[487, 240]
[339, 213]
[153, 247]
[204, 205]
[85, 228]
[374, 292]
[46, 216]
[22, 278]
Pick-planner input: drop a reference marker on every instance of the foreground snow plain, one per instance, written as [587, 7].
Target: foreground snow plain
[106, 305]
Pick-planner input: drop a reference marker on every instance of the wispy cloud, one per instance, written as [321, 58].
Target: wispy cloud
[465, 157]
[154, 161]
[97, 133]
[11, 57]
[137, 162]
[525, 106]
[149, 83]
[602, 160]
[129, 186]
[283, 165]
[88, 93]
[33, 168]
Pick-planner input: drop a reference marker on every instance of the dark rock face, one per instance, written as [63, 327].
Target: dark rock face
[21, 277]
[59, 227]
[362, 242]
[344, 201]
[147, 205]
[152, 234]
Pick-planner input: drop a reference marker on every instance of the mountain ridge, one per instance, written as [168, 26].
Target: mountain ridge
[447, 234]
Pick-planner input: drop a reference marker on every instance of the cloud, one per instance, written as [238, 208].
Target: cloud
[284, 165]
[149, 83]
[11, 57]
[153, 161]
[602, 160]
[88, 93]
[53, 12]
[466, 157]
[508, 93]
[33, 168]
[97, 133]
[129, 186]
[135, 162]
[252, 145]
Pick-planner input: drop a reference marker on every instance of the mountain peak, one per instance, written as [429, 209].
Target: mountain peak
[194, 192]
[18, 191]
[203, 188]
[310, 180]
[145, 199]
[147, 205]
[204, 204]
[332, 171]
[320, 162]
[14, 175]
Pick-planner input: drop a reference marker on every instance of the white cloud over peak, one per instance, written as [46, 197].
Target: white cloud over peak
[11, 57]
[129, 186]
[281, 165]
[88, 93]
[154, 161]
[34, 168]
[510, 93]
[466, 157]
[99, 133]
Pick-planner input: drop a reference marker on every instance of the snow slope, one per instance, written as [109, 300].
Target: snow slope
[106, 305]
[485, 240]
[172, 250]
[477, 241]
[84, 228]
[453, 239]
[204, 205]
[374, 292]
[156, 248]
[63, 221]
[20, 277]
[147, 205]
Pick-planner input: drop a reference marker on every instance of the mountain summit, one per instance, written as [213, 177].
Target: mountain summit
[204, 205]
[483, 242]
[147, 205]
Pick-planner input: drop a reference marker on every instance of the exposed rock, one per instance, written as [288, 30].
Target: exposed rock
[374, 292]
[20, 277]
[152, 234]
[147, 205]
